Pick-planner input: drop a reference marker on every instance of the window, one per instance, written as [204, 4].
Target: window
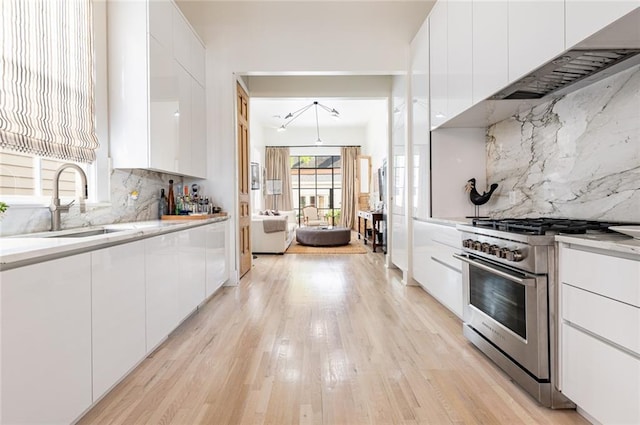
[26, 178]
[316, 180]
[29, 176]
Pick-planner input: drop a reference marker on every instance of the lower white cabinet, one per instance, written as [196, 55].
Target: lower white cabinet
[72, 328]
[434, 267]
[217, 260]
[600, 332]
[45, 345]
[162, 277]
[118, 313]
[192, 269]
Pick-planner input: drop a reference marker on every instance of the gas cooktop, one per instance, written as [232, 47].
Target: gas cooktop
[545, 226]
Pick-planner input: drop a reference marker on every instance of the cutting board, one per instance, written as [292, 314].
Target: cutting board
[194, 217]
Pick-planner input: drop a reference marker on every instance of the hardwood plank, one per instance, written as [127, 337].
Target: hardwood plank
[322, 339]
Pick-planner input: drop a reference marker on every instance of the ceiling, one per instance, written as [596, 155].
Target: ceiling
[270, 112]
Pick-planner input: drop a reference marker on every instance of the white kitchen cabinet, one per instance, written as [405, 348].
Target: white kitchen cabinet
[490, 48]
[117, 313]
[198, 129]
[536, 34]
[192, 269]
[217, 259]
[150, 102]
[434, 266]
[459, 57]
[599, 281]
[161, 280]
[164, 108]
[585, 18]
[438, 66]
[161, 15]
[46, 341]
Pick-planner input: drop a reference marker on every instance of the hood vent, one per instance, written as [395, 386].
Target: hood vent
[563, 71]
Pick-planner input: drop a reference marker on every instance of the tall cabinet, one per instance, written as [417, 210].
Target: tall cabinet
[157, 106]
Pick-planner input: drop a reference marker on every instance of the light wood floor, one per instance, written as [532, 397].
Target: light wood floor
[309, 339]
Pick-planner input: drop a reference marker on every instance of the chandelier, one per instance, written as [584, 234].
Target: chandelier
[291, 116]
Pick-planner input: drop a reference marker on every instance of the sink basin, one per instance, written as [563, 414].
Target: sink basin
[94, 232]
[79, 233]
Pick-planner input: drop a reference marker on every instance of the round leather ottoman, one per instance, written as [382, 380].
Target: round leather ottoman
[323, 236]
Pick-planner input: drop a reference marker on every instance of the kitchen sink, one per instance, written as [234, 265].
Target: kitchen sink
[86, 233]
[79, 233]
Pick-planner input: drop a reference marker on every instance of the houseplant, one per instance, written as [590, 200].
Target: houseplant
[3, 209]
[333, 217]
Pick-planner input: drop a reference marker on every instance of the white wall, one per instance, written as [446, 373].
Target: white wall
[331, 136]
[262, 38]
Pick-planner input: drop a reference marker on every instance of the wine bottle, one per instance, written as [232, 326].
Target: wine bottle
[171, 200]
[162, 205]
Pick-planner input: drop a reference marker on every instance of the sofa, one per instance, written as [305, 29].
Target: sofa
[272, 241]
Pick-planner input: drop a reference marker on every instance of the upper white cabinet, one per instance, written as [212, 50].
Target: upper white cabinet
[438, 63]
[584, 18]
[156, 82]
[459, 57]
[490, 48]
[45, 341]
[536, 34]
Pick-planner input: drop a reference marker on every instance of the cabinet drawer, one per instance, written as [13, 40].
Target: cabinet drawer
[602, 380]
[610, 319]
[613, 277]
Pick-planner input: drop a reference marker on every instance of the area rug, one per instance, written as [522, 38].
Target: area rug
[353, 248]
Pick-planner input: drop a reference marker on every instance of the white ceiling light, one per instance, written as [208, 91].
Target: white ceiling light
[291, 116]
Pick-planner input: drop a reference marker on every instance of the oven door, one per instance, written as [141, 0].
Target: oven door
[509, 309]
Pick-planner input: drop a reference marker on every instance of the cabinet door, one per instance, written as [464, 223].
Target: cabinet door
[192, 267]
[182, 47]
[438, 63]
[118, 313]
[585, 18]
[162, 276]
[164, 108]
[198, 131]
[536, 34]
[198, 59]
[602, 380]
[490, 48]
[459, 57]
[217, 269]
[184, 120]
[161, 22]
[46, 341]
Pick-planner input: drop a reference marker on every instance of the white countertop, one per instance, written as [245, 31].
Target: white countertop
[450, 221]
[16, 251]
[609, 241]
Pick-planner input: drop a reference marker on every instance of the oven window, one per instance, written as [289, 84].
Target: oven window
[500, 298]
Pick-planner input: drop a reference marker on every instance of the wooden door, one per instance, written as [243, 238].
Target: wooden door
[244, 215]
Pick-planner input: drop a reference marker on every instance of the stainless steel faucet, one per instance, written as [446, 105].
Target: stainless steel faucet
[55, 206]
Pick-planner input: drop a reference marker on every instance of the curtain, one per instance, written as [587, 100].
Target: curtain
[349, 190]
[278, 167]
[46, 86]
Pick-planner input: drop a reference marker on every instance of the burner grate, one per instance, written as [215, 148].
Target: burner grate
[542, 226]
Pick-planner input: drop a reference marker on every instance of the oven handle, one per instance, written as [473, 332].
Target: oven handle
[523, 282]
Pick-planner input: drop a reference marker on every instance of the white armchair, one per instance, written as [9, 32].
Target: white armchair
[311, 217]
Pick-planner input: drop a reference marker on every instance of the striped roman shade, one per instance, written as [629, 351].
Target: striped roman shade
[46, 86]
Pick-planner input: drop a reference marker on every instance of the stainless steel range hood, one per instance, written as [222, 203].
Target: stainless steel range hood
[563, 71]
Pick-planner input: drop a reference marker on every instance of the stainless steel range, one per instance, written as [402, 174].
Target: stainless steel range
[510, 297]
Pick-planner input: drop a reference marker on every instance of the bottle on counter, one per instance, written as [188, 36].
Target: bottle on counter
[162, 205]
[171, 200]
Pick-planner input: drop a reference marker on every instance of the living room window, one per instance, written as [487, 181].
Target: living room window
[316, 180]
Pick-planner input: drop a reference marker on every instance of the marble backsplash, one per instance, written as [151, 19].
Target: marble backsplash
[122, 208]
[577, 156]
